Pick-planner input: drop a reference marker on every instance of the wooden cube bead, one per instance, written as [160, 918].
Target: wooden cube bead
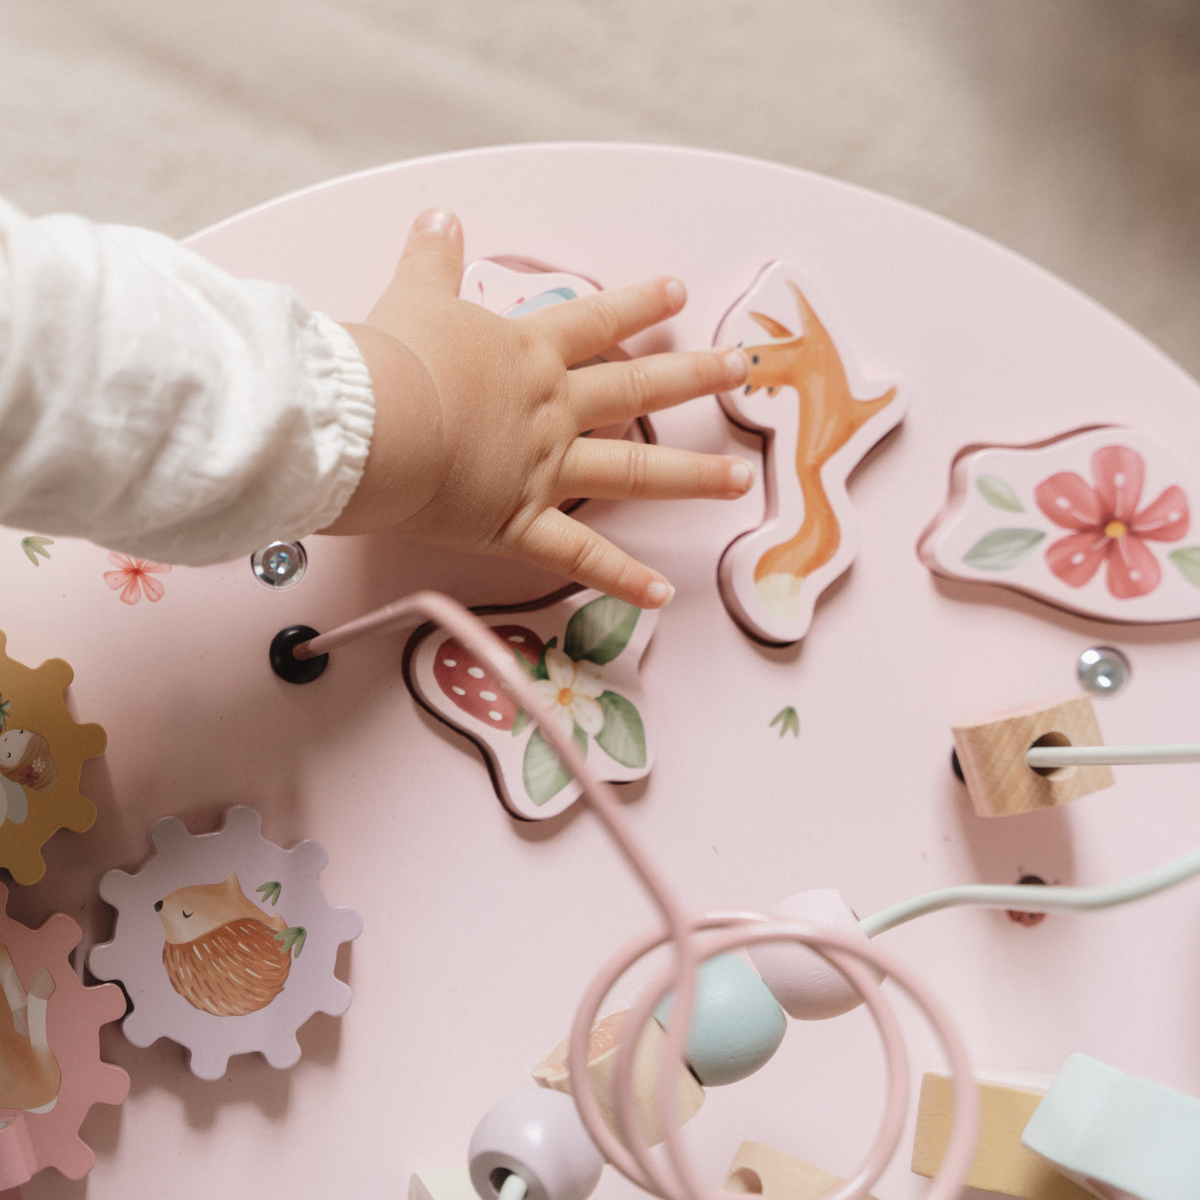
[991, 753]
[651, 1051]
[1001, 1163]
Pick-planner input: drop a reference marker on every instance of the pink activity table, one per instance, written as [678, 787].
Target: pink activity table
[481, 932]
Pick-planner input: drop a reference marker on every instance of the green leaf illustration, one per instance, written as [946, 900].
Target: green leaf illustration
[5, 705]
[520, 721]
[33, 546]
[623, 736]
[270, 891]
[543, 771]
[998, 494]
[1002, 549]
[788, 721]
[1188, 561]
[600, 630]
[292, 939]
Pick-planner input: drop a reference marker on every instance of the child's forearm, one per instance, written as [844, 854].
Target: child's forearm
[155, 404]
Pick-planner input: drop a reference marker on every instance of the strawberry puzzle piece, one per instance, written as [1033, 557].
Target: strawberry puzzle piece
[582, 650]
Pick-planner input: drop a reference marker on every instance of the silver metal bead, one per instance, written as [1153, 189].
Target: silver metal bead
[280, 565]
[1102, 670]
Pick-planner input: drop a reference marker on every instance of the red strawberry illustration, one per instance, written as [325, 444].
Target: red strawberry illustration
[472, 686]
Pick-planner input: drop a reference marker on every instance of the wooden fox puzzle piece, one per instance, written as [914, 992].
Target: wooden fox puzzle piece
[50, 1068]
[42, 751]
[802, 395]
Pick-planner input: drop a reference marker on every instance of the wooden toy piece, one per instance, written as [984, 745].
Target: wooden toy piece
[539, 1136]
[737, 1025]
[442, 1183]
[991, 752]
[206, 952]
[583, 649]
[759, 1170]
[1118, 1135]
[1001, 1163]
[552, 1072]
[1094, 521]
[802, 396]
[50, 1068]
[807, 986]
[42, 750]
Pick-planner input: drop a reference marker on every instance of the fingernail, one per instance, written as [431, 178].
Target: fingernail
[735, 362]
[741, 475]
[434, 220]
[676, 293]
[660, 594]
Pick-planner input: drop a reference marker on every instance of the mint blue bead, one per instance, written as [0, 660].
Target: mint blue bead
[736, 1023]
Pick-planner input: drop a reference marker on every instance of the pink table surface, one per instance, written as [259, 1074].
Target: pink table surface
[480, 933]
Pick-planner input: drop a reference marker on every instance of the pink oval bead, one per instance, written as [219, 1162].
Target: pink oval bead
[538, 1135]
[806, 986]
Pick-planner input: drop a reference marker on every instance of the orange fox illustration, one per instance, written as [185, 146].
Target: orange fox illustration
[829, 418]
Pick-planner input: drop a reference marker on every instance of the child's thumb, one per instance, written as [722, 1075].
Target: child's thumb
[433, 254]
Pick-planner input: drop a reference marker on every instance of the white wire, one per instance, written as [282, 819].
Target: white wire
[1038, 897]
[514, 1187]
[1109, 756]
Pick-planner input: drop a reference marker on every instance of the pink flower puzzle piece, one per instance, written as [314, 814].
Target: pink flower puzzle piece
[583, 650]
[1094, 521]
[818, 418]
[50, 1067]
[206, 953]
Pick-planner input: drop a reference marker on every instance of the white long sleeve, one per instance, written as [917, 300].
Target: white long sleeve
[156, 405]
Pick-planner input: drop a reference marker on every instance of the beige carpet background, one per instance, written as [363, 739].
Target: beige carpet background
[1066, 129]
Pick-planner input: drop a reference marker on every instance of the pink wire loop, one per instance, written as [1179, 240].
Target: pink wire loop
[849, 956]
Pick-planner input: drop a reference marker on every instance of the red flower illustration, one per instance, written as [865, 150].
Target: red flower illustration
[1109, 527]
[134, 575]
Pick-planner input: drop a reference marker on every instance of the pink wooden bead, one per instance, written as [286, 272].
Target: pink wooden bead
[538, 1135]
[806, 986]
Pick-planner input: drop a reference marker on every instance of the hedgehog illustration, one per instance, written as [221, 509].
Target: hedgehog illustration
[222, 953]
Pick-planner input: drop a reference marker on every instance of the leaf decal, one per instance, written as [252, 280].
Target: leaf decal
[1188, 561]
[998, 494]
[788, 721]
[543, 771]
[292, 939]
[600, 630]
[623, 736]
[1002, 549]
[270, 891]
[33, 546]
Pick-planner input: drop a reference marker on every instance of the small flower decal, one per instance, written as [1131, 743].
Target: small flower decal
[1109, 528]
[572, 692]
[134, 575]
[33, 546]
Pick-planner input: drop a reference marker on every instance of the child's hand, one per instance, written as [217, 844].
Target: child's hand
[478, 421]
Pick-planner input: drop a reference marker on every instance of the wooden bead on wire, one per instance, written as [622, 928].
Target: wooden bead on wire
[807, 986]
[736, 1024]
[536, 1134]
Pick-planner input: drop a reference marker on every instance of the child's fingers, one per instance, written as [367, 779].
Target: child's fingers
[610, 392]
[610, 470]
[559, 544]
[433, 253]
[584, 327]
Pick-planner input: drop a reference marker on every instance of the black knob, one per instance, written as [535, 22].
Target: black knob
[290, 669]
